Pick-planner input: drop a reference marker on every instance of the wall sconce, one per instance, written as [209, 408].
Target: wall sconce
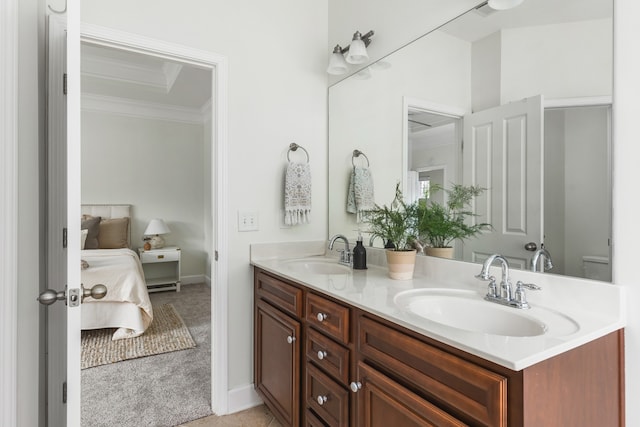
[356, 54]
[155, 228]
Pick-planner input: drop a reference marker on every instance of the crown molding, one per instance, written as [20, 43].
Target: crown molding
[147, 110]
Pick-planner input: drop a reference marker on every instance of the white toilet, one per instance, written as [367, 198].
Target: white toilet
[596, 267]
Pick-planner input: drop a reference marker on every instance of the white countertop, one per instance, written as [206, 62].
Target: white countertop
[596, 307]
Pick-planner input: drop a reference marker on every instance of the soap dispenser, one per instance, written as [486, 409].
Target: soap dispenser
[359, 255]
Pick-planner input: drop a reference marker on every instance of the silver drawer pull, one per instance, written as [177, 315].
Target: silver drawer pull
[321, 400]
[321, 317]
[355, 386]
[322, 354]
[291, 339]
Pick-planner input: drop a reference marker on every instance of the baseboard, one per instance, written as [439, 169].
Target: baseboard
[196, 278]
[242, 398]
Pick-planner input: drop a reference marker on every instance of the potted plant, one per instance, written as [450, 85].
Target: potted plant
[439, 225]
[396, 223]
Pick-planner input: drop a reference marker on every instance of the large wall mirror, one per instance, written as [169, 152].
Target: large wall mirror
[516, 101]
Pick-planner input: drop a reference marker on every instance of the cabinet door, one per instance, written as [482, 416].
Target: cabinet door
[277, 362]
[381, 402]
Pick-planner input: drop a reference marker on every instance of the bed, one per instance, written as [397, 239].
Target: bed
[108, 259]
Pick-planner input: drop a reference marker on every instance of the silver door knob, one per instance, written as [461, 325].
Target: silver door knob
[531, 246]
[50, 296]
[96, 292]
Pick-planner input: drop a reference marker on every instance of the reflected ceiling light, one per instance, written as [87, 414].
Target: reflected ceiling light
[364, 74]
[504, 4]
[356, 54]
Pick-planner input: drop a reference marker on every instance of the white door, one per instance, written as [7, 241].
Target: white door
[503, 152]
[63, 221]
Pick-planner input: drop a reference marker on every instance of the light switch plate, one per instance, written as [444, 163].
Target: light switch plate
[248, 221]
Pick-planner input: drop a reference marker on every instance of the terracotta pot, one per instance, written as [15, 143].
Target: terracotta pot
[401, 264]
[440, 252]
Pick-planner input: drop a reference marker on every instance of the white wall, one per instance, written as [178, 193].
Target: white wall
[559, 61]
[277, 95]
[156, 166]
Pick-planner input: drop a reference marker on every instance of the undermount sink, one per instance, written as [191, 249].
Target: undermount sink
[467, 311]
[316, 266]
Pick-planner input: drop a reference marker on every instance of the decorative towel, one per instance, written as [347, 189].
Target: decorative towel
[360, 194]
[297, 193]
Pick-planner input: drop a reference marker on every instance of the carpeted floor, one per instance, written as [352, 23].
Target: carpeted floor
[162, 390]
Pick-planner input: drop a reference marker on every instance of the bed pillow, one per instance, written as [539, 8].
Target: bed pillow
[114, 233]
[93, 227]
[83, 238]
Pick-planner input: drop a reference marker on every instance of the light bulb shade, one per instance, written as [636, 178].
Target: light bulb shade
[504, 4]
[357, 51]
[337, 64]
[364, 74]
[156, 226]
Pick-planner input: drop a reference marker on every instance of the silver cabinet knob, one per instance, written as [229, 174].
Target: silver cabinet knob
[291, 339]
[321, 400]
[322, 354]
[321, 317]
[355, 386]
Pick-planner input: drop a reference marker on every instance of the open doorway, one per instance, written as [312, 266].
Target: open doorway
[146, 142]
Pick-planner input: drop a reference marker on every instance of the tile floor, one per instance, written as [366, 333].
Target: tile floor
[254, 417]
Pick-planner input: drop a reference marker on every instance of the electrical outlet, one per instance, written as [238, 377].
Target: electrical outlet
[248, 221]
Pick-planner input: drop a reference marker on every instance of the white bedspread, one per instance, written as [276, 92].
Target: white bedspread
[127, 305]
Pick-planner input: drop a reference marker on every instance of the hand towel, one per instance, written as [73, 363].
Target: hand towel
[360, 194]
[297, 193]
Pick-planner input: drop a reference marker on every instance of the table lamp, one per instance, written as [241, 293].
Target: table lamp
[155, 229]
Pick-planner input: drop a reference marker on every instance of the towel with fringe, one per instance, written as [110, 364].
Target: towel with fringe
[360, 194]
[297, 193]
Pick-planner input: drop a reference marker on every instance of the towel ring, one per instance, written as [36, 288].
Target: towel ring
[358, 153]
[293, 147]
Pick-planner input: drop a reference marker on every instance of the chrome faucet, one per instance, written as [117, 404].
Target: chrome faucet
[505, 294]
[345, 254]
[546, 256]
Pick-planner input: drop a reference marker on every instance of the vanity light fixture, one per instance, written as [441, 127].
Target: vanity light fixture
[356, 54]
[504, 4]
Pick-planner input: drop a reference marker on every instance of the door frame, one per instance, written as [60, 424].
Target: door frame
[218, 64]
[9, 208]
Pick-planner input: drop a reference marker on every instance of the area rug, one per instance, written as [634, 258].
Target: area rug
[167, 333]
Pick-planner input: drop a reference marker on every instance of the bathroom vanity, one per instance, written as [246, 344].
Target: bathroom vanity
[336, 347]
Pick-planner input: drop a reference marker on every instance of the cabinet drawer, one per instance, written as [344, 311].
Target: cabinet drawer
[328, 316]
[330, 356]
[282, 295]
[327, 398]
[468, 391]
[150, 257]
[310, 420]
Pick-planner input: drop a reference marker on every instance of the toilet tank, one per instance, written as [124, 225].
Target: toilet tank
[596, 267]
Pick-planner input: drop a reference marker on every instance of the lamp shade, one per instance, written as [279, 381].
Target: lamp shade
[357, 50]
[337, 64]
[504, 4]
[156, 226]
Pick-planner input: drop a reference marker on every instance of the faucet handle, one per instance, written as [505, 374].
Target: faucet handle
[531, 286]
[520, 296]
[492, 288]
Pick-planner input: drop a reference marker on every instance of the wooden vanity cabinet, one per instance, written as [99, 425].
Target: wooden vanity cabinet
[277, 341]
[404, 379]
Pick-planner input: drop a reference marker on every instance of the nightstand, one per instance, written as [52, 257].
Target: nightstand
[161, 268]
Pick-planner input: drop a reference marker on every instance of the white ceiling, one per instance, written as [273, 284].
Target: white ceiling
[109, 73]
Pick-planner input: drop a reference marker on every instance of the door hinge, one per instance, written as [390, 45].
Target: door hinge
[64, 238]
[64, 392]
[215, 255]
[64, 84]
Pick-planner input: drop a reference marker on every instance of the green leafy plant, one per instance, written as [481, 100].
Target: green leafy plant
[395, 223]
[440, 225]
